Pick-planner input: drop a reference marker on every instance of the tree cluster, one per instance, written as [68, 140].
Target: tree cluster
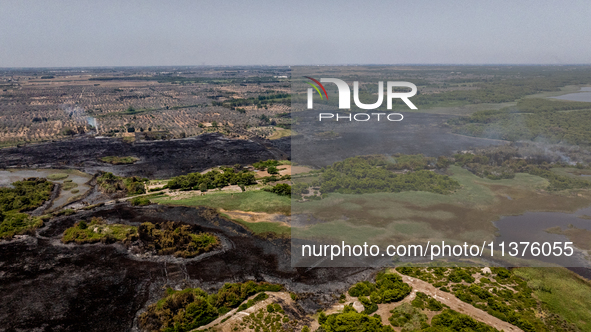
[358, 175]
[282, 189]
[193, 307]
[532, 119]
[388, 287]
[23, 196]
[505, 168]
[212, 179]
[110, 183]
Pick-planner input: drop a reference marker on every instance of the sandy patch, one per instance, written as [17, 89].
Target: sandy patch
[259, 217]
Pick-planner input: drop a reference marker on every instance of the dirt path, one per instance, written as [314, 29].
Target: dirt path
[258, 216]
[421, 286]
[234, 317]
[456, 304]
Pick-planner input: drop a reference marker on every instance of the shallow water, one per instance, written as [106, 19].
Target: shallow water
[531, 227]
[9, 176]
[583, 95]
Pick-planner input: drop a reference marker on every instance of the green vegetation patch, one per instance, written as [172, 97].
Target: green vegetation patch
[505, 294]
[424, 301]
[212, 179]
[264, 228]
[564, 295]
[17, 223]
[362, 175]
[272, 318]
[116, 160]
[173, 238]
[57, 176]
[25, 195]
[98, 231]
[260, 297]
[450, 320]
[501, 88]
[497, 168]
[250, 201]
[388, 288]
[408, 318]
[69, 185]
[168, 238]
[193, 307]
[139, 201]
[263, 165]
[110, 183]
[351, 320]
[532, 119]
[281, 189]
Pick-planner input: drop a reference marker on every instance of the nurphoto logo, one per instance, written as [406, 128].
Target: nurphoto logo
[344, 93]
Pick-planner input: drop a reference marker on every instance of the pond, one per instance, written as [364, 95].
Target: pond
[7, 177]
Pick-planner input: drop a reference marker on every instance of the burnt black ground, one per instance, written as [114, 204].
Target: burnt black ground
[158, 159]
[48, 286]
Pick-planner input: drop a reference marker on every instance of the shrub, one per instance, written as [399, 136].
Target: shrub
[217, 178]
[172, 238]
[98, 231]
[408, 317]
[388, 288]
[272, 170]
[459, 322]
[281, 189]
[140, 201]
[69, 185]
[424, 301]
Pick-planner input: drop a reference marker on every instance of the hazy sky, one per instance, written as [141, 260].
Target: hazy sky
[44, 33]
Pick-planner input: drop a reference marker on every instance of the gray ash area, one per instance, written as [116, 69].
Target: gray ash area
[158, 159]
[49, 286]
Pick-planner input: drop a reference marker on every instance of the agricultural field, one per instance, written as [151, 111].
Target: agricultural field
[147, 104]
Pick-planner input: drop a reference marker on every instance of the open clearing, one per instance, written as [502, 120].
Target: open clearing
[249, 201]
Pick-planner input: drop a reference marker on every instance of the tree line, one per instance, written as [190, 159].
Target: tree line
[360, 175]
[212, 179]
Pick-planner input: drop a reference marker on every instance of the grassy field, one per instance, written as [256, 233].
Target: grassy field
[250, 201]
[563, 292]
[280, 133]
[262, 227]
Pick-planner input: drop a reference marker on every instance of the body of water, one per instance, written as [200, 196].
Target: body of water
[532, 226]
[583, 95]
[7, 177]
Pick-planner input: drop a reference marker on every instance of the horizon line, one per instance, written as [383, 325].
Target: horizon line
[308, 65]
